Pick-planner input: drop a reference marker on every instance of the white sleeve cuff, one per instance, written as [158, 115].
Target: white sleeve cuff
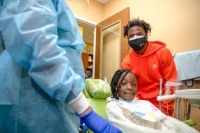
[79, 104]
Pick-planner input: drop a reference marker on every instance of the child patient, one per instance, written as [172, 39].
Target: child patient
[138, 116]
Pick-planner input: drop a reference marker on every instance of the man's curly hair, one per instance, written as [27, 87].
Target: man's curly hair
[137, 22]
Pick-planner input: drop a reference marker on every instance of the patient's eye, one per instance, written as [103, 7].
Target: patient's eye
[123, 83]
[134, 84]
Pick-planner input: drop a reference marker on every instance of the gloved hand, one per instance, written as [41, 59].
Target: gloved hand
[83, 127]
[98, 124]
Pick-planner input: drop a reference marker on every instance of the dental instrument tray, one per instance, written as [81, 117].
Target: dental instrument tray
[192, 95]
[188, 94]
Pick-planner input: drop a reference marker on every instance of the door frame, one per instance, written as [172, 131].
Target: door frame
[124, 17]
[93, 24]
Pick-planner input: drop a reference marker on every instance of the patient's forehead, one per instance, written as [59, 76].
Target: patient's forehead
[129, 75]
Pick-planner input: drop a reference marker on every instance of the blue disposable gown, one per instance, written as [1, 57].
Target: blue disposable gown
[41, 69]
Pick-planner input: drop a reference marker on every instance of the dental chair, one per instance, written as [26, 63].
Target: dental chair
[96, 92]
[188, 67]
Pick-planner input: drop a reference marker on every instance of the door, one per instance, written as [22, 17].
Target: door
[111, 46]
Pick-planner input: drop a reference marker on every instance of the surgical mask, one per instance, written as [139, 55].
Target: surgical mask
[137, 42]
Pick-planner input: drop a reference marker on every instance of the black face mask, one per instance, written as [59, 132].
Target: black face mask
[137, 44]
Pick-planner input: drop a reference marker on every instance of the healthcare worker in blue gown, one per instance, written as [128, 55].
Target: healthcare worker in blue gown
[41, 72]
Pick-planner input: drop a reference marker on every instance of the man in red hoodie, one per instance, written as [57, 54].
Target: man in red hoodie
[150, 61]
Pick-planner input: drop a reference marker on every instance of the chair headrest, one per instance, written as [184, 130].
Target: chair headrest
[97, 88]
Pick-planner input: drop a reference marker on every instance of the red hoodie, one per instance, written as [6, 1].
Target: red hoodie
[156, 63]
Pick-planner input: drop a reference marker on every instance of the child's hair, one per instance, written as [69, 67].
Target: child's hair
[115, 80]
[137, 22]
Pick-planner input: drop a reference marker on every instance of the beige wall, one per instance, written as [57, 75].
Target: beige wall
[175, 22]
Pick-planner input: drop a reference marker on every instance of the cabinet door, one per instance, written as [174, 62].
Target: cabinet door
[85, 57]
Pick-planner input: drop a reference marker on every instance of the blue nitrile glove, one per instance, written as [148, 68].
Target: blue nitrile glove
[98, 124]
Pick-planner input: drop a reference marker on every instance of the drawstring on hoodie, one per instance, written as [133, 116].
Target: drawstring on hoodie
[146, 65]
